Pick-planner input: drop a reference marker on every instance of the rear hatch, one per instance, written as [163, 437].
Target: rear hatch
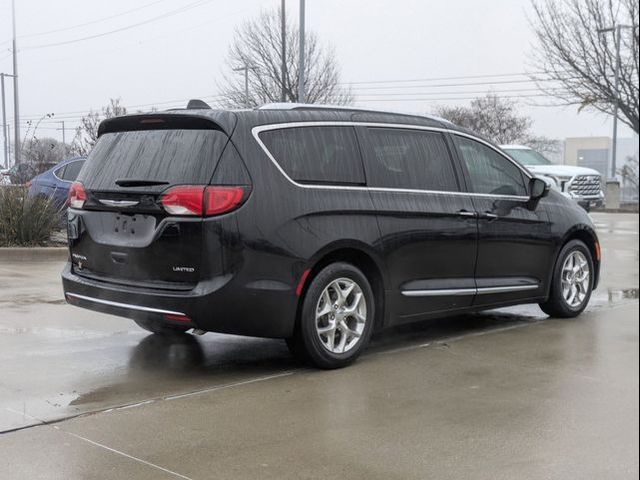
[127, 224]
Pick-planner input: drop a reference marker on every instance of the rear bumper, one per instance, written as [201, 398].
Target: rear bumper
[219, 305]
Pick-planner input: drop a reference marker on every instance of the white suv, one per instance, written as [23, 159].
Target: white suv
[584, 185]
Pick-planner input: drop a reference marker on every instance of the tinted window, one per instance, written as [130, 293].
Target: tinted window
[59, 172]
[410, 159]
[174, 156]
[71, 171]
[490, 172]
[317, 154]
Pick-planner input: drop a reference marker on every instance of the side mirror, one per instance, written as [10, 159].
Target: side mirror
[538, 189]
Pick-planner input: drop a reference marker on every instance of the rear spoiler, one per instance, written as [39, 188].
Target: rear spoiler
[155, 121]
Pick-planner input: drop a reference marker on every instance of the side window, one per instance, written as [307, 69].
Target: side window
[490, 172]
[317, 154]
[410, 159]
[59, 172]
[71, 171]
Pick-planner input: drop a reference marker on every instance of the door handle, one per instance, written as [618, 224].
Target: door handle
[467, 213]
[490, 216]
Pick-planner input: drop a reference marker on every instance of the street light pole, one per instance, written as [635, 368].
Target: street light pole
[301, 92]
[4, 123]
[283, 40]
[5, 127]
[617, 33]
[16, 103]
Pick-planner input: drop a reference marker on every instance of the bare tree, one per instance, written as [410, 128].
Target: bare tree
[44, 150]
[581, 60]
[87, 133]
[498, 119]
[257, 46]
[629, 174]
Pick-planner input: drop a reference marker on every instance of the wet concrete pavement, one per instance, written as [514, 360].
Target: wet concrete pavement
[504, 394]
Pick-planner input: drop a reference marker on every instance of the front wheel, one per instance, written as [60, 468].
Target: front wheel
[572, 282]
[336, 319]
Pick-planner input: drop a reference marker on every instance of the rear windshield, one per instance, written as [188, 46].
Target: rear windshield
[172, 156]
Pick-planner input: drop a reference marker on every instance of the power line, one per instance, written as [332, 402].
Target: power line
[171, 13]
[432, 79]
[446, 98]
[465, 84]
[92, 22]
[465, 92]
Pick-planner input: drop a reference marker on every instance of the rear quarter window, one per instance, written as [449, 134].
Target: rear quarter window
[317, 154]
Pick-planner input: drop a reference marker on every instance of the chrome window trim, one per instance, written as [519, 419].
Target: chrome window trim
[468, 291]
[123, 305]
[65, 166]
[255, 131]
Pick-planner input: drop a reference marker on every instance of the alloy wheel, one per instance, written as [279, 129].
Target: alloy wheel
[575, 279]
[341, 315]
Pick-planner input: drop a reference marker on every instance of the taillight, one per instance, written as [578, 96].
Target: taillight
[202, 201]
[77, 196]
[29, 183]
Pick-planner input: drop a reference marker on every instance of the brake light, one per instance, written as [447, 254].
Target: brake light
[202, 201]
[185, 200]
[219, 200]
[77, 196]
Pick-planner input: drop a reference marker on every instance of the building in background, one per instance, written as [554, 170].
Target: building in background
[595, 152]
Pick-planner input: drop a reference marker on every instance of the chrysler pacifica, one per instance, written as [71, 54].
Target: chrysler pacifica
[318, 225]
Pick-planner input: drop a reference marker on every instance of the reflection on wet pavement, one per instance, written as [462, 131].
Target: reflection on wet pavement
[61, 361]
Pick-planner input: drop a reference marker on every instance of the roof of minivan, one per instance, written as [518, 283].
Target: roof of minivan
[289, 113]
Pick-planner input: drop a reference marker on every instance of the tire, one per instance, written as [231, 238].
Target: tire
[561, 302]
[334, 339]
[161, 328]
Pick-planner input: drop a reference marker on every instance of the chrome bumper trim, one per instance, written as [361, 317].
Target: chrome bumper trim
[123, 305]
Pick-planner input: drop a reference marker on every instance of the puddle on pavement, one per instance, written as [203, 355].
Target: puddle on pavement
[613, 296]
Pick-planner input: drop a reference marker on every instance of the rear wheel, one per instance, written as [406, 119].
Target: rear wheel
[337, 317]
[572, 282]
[161, 328]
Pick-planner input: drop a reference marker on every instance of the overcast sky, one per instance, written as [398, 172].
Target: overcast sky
[168, 60]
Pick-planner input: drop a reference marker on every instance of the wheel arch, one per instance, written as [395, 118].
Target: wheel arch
[588, 236]
[361, 256]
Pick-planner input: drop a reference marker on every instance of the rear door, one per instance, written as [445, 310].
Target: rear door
[428, 225]
[514, 241]
[123, 234]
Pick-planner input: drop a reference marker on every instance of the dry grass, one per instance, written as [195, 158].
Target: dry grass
[25, 221]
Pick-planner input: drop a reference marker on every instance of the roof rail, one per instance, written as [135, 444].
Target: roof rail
[317, 106]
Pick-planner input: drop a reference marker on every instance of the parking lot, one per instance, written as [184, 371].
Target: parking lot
[501, 394]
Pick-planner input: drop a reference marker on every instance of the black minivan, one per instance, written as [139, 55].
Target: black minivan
[319, 225]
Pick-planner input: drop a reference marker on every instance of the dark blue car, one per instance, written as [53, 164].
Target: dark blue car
[54, 183]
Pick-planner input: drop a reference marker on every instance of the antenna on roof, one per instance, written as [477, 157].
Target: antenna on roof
[196, 104]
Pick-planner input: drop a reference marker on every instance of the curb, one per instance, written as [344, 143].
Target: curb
[33, 254]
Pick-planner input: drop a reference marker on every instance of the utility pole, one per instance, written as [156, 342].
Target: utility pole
[301, 98]
[617, 31]
[4, 123]
[16, 103]
[283, 40]
[61, 122]
[246, 84]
